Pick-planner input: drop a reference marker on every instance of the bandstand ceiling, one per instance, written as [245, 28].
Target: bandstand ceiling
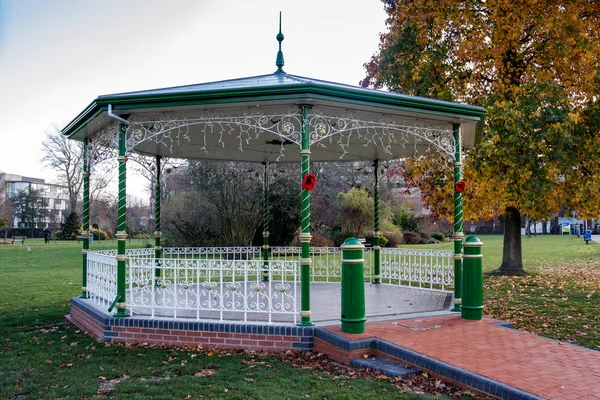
[259, 119]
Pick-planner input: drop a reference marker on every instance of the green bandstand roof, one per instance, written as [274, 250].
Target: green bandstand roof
[259, 119]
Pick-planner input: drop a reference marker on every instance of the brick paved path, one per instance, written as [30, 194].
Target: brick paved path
[537, 365]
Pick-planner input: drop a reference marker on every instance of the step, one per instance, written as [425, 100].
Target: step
[386, 367]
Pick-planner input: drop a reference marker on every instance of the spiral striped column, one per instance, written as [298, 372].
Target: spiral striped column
[85, 235]
[376, 240]
[122, 225]
[265, 249]
[305, 261]
[157, 233]
[458, 219]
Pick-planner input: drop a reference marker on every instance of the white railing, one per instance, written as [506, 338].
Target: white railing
[431, 269]
[326, 263]
[227, 282]
[101, 283]
[142, 252]
[213, 288]
[214, 253]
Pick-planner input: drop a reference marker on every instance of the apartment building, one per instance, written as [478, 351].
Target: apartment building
[57, 197]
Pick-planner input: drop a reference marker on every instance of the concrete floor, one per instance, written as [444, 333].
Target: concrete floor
[381, 302]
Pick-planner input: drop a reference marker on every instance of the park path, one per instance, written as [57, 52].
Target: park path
[533, 364]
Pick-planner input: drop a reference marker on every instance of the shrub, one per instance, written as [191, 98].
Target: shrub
[64, 235]
[439, 236]
[393, 239]
[320, 241]
[412, 238]
[403, 217]
[70, 227]
[100, 234]
[338, 238]
[382, 239]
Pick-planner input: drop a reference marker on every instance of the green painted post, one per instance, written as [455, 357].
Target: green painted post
[85, 235]
[458, 220]
[122, 225]
[376, 242]
[265, 248]
[353, 286]
[472, 300]
[305, 236]
[157, 233]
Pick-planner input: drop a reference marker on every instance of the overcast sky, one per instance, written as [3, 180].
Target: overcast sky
[56, 56]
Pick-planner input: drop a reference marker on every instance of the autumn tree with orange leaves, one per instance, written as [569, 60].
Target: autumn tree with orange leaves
[534, 66]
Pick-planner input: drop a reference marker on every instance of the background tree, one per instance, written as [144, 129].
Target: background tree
[356, 212]
[146, 167]
[6, 212]
[234, 191]
[65, 157]
[103, 211]
[284, 209]
[71, 227]
[30, 208]
[504, 55]
[187, 220]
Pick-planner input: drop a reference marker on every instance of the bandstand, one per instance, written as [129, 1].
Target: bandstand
[269, 119]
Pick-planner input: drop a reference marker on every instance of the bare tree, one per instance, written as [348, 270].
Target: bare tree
[103, 212]
[235, 191]
[6, 213]
[65, 156]
[146, 167]
[189, 221]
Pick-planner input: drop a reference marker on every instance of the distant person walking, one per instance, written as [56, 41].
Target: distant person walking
[47, 235]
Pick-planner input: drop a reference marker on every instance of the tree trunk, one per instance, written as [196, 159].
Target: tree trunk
[544, 227]
[512, 259]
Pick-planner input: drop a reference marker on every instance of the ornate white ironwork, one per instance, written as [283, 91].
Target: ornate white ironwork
[326, 263]
[214, 253]
[170, 130]
[192, 286]
[431, 269]
[103, 145]
[384, 133]
[226, 280]
[101, 277]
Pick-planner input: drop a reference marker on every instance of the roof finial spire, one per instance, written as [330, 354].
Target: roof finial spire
[279, 62]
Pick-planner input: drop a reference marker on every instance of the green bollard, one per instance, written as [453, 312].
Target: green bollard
[353, 287]
[472, 293]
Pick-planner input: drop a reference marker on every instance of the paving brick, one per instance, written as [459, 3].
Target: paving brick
[529, 363]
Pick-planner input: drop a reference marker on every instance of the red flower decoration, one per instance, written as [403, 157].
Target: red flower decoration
[309, 182]
[460, 186]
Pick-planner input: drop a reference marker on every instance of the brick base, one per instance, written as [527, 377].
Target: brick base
[105, 327]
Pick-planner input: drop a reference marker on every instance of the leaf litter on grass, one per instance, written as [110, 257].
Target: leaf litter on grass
[561, 303]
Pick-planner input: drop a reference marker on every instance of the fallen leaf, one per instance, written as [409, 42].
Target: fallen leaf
[205, 372]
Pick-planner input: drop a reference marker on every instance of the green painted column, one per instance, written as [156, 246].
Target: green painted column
[265, 249]
[377, 233]
[353, 286]
[85, 235]
[122, 225]
[157, 233]
[458, 220]
[305, 261]
[472, 300]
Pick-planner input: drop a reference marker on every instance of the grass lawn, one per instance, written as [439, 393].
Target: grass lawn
[42, 356]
